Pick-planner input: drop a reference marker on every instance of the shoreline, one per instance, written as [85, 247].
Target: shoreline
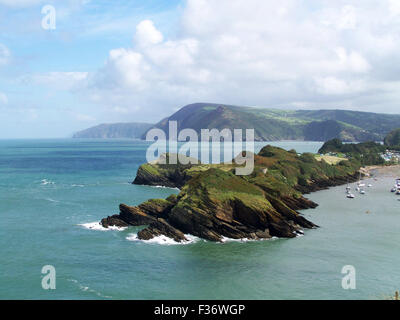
[388, 171]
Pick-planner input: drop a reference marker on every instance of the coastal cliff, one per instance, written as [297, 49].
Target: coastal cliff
[214, 203]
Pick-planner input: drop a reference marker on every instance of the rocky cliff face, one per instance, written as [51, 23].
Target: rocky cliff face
[214, 203]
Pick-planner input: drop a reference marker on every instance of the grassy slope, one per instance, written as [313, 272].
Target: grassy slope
[277, 172]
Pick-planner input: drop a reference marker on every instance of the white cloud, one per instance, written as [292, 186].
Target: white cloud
[335, 86]
[348, 19]
[257, 53]
[394, 7]
[147, 34]
[341, 18]
[352, 61]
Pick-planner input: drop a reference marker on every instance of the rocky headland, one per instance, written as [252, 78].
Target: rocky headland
[214, 203]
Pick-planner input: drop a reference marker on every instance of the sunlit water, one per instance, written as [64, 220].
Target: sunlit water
[52, 190]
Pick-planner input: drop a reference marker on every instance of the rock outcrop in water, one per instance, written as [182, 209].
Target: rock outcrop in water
[215, 203]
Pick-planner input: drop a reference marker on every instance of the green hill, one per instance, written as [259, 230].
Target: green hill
[393, 138]
[116, 130]
[273, 124]
[367, 153]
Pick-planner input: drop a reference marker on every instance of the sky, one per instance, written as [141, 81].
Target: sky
[67, 65]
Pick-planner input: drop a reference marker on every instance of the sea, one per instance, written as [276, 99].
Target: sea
[53, 193]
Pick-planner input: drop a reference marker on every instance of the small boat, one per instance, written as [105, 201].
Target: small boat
[358, 189]
[360, 184]
[394, 189]
[362, 191]
[369, 185]
[348, 188]
[398, 192]
[351, 196]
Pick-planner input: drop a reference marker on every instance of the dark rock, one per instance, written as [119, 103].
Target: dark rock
[263, 234]
[290, 214]
[134, 216]
[161, 227]
[282, 230]
[298, 203]
[250, 216]
[113, 221]
[157, 208]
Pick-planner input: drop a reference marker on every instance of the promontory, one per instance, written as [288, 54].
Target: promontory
[214, 203]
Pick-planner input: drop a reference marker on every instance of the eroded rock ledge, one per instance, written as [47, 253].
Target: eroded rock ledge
[215, 203]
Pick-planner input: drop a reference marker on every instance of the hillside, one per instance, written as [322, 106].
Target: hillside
[272, 124]
[367, 153]
[116, 130]
[393, 138]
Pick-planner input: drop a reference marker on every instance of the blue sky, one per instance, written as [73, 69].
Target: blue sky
[85, 33]
[120, 61]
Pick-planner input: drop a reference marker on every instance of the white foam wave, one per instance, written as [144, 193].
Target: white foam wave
[52, 200]
[163, 240]
[98, 227]
[244, 240]
[87, 289]
[163, 187]
[78, 185]
[45, 182]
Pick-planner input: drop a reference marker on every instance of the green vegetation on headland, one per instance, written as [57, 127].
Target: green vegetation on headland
[366, 153]
[215, 203]
[392, 140]
[268, 124]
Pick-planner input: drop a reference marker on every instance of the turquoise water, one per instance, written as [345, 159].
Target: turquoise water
[51, 189]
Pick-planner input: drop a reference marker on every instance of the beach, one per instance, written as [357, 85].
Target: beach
[385, 171]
